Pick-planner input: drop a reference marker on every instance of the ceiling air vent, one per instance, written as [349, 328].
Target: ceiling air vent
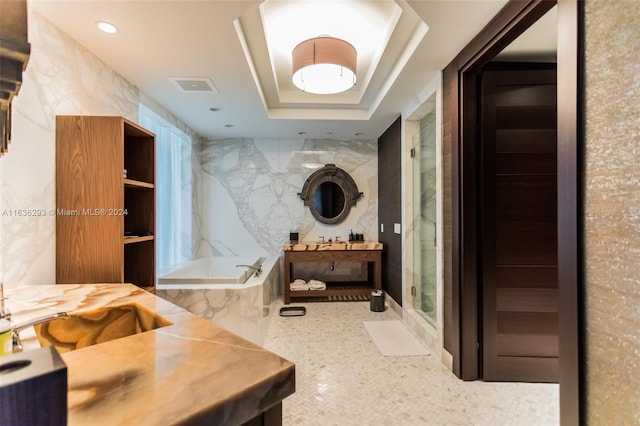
[194, 84]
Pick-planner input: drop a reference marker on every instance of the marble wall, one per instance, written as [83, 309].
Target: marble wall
[62, 77]
[612, 211]
[244, 190]
[248, 192]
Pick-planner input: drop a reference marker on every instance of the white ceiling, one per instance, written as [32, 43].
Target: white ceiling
[385, 34]
[227, 42]
[537, 44]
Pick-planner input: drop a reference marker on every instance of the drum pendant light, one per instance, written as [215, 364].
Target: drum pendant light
[324, 65]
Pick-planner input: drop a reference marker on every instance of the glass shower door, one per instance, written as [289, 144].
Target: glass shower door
[424, 219]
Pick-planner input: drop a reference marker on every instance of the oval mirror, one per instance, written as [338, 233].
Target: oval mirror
[330, 193]
[329, 199]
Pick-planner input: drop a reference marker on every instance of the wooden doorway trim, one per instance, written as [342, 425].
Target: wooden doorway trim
[459, 137]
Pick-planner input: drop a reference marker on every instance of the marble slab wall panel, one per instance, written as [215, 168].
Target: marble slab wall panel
[196, 201]
[62, 78]
[248, 192]
[612, 212]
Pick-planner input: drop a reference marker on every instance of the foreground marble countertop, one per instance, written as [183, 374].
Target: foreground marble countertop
[190, 372]
[339, 246]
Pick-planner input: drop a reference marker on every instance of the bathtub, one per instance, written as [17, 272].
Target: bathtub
[233, 298]
[213, 270]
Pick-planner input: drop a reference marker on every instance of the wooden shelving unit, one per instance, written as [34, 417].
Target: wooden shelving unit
[131, 240]
[105, 223]
[130, 183]
[341, 288]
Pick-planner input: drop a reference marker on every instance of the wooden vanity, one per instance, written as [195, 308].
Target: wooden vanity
[369, 252]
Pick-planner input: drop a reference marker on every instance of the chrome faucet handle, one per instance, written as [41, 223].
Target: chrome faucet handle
[337, 238]
[17, 343]
[321, 237]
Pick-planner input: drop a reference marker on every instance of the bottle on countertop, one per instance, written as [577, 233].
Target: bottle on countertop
[6, 326]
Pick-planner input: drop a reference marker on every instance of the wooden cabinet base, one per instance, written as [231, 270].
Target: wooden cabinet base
[335, 289]
[270, 417]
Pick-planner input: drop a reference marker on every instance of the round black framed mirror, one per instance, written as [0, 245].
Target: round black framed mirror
[330, 193]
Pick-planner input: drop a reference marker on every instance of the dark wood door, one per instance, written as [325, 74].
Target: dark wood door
[518, 226]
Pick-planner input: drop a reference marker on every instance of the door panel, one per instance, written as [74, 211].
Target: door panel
[518, 223]
[527, 345]
[528, 369]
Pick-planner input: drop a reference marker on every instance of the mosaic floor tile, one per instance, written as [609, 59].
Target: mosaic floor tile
[343, 379]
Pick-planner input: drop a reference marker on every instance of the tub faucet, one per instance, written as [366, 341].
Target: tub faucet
[17, 344]
[256, 269]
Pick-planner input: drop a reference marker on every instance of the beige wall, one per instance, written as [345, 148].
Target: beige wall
[612, 211]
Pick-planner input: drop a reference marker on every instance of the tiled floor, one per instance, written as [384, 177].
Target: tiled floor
[342, 379]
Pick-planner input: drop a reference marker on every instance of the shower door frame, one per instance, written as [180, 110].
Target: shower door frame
[416, 170]
[432, 334]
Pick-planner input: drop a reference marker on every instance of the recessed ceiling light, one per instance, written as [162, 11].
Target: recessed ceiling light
[107, 27]
[214, 109]
[228, 125]
[302, 133]
[359, 133]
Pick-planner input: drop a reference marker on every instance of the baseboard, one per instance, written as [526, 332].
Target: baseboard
[395, 306]
[447, 359]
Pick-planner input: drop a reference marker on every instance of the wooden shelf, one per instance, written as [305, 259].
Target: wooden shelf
[138, 184]
[132, 240]
[91, 154]
[336, 289]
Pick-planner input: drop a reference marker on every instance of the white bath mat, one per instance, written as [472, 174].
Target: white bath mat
[393, 339]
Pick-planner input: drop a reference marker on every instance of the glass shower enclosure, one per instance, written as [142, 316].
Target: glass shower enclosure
[424, 153]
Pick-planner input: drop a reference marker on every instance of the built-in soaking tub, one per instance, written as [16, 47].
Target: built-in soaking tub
[214, 270]
[233, 298]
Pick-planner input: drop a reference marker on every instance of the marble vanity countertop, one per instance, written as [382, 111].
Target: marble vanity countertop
[191, 371]
[320, 246]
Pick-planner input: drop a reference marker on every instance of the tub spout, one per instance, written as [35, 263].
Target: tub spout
[256, 269]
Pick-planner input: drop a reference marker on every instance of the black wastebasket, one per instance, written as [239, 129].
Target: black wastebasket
[376, 301]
